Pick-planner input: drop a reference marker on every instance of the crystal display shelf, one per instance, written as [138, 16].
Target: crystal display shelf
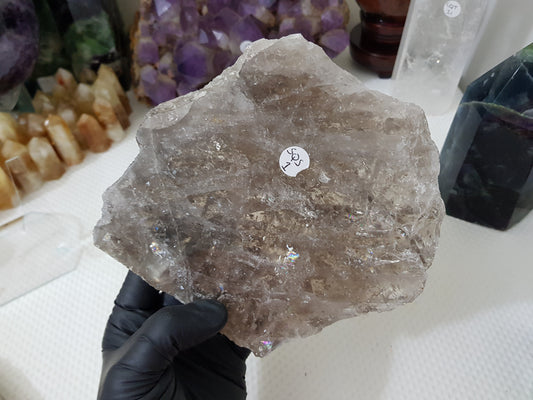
[469, 335]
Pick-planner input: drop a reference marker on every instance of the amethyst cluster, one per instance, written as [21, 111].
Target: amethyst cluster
[180, 45]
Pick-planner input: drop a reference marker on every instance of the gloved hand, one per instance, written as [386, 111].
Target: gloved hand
[157, 348]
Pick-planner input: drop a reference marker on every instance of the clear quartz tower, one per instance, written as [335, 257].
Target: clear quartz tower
[437, 42]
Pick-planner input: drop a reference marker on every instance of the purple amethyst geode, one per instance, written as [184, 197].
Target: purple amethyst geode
[180, 45]
[19, 42]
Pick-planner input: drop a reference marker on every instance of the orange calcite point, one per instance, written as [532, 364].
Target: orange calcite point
[84, 98]
[63, 140]
[106, 115]
[44, 156]
[65, 79]
[108, 75]
[8, 128]
[93, 133]
[12, 149]
[87, 75]
[60, 95]
[32, 125]
[25, 173]
[8, 193]
[20, 165]
[42, 104]
[68, 113]
[102, 89]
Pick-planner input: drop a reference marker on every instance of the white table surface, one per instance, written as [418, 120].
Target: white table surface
[468, 336]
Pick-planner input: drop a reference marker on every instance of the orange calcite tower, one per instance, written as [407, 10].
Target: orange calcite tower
[93, 133]
[8, 194]
[44, 156]
[106, 115]
[21, 167]
[63, 140]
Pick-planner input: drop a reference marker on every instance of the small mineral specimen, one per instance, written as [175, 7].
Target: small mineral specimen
[32, 125]
[180, 45]
[93, 133]
[21, 167]
[44, 156]
[84, 98]
[487, 160]
[8, 194]
[71, 116]
[8, 128]
[106, 115]
[63, 140]
[286, 190]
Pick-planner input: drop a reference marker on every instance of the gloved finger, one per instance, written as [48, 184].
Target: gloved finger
[136, 294]
[169, 300]
[171, 330]
[135, 302]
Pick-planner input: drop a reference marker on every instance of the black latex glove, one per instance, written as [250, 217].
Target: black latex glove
[156, 348]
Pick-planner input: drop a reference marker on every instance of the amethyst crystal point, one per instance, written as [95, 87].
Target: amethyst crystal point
[286, 190]
[206, 36]
[19, 42]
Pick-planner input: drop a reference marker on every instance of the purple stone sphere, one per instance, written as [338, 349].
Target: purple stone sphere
[19, 42]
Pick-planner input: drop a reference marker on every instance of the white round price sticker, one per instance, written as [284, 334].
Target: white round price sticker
[452, 9]
[293, 160]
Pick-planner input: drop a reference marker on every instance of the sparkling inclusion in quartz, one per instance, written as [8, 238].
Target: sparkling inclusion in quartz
[206, 211]
[180, 45]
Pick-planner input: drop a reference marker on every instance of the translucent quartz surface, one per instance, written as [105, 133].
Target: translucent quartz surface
[36, 248]
[208, 208]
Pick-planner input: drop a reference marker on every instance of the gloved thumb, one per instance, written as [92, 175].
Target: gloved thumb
[170, 330]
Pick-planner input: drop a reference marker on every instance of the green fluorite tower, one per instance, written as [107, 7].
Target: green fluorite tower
[487, 160]
[79, 36]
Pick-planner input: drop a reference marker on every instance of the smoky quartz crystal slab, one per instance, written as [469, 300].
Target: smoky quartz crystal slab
[284, 189]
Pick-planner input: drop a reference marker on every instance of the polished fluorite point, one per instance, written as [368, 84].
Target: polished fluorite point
[487, 160]
[286, 190]
[181, 45]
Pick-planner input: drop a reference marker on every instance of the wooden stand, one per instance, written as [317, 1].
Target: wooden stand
[374, 42]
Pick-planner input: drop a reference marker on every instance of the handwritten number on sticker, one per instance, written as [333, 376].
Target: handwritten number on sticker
[452, 9]
[293, 160]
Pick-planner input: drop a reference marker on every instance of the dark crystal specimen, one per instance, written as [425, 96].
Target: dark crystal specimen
[487, 160]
